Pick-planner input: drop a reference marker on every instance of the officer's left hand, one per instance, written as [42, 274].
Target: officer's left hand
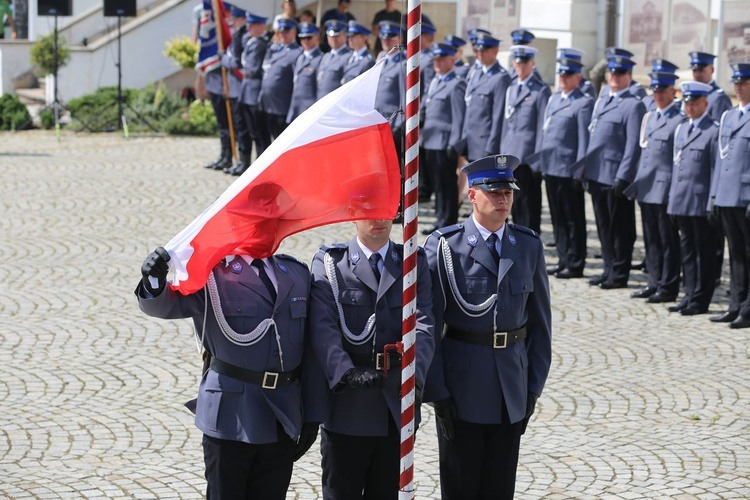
[417, 403]
[451, 154]
[530, 407]
[618, 187]
[747, 212]
[307, 438]
[155, 266]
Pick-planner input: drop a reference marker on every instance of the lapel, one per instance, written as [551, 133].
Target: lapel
[361, 266]
[479, 252]
[559, 104]
[519, 97]
[740, 122]
[508, 254]
[249, 279]
[392, 270]
[697, 131]
[655, 124]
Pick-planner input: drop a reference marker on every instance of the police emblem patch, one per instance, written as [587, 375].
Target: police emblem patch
[502, 160]
[394, 256]
[281, 266]
[236, 267]
[355, 257]
[512, 239]
[472, 240]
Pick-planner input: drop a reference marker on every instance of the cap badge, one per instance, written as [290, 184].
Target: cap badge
[502, 160]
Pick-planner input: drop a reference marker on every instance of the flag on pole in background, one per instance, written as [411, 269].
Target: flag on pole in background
[208, 55]
[336, 162]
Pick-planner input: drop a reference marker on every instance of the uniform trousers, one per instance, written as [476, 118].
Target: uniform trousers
[218, 102]
[276, 124]
[241, 127]
[615, 225]
[258, 131]
[480, 461]
[426, 188]
[527, 203]
[238, 470]
[567, 207]
[365, 467]
[662, 243]
[698, 252]
[444, 181]
[737, 230]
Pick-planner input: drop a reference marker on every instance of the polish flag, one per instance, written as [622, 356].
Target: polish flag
[336, 162]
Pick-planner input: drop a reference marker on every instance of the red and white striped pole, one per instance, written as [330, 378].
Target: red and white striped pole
[411, 196]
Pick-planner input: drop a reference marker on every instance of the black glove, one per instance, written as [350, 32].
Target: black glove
[446, 416]
[673, 220]
[747, 212]
[451, 154]
[618, 187]
[578, 186]
[307, 438]
[713, 217]
[530, 407]
[364, 378]
[417, 405]
[155, 265]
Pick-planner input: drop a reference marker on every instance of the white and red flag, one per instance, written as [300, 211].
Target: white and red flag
[336, 162]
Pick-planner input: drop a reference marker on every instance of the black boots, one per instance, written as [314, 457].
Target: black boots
[224, 161]
[240, 165]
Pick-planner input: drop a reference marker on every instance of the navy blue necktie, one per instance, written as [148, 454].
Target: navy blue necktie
[374, 261]
[263, 275]
[492, 244]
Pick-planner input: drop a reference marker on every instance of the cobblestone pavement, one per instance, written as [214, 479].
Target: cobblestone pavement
[640, 403]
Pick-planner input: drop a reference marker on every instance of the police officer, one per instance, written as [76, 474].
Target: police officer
[695, 148]
[356, 307]
[702, 64]
[215, 89]
[651, 189]
[427, 37]
[459, 66]
[525, 101]
[659, 66]
[252, 68]
[305, 91]
[278, 77]
[574, 54]
[635, 88]
[611, 163]
[254, 407]
[485, 101]
[443, 112]
[730, 193]
[473, 35]
[360, 60]
[523, 36]
[331, 68]
[491, 297]
[565, 138]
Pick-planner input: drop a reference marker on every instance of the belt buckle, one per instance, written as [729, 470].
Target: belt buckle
[500, 340]
[381, 361]
[270, 379]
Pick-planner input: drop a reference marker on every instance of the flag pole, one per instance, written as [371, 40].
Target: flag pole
[411, 196]
[219, 22]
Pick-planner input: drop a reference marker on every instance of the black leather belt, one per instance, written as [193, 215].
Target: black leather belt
[496, 340]
[267, 380]
[380, 362]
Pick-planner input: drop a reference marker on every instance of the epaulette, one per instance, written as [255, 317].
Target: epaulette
[445, 231]
[716, 123]
[719, 90]
[290, 257]
[334, 246]
[524, 229]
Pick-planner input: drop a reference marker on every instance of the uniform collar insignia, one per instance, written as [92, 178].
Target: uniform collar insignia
[281, 267]
[472, 240]
[355, 257]
[236, 266]
[394, 256]
[512, 239]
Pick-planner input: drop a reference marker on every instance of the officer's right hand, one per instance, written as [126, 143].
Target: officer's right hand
[713, 217]
[747, 213]
[155, 266]
[618, 187]
[364, 378]
[446, 415]
[451, 154]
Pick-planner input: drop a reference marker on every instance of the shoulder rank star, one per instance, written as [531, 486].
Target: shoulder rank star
[281, 266]
[472, 240]
[512, 239]
[355, 257]
[236, 266]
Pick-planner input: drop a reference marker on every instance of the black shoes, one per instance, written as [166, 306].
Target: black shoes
[740, 322]
[612, 285]
[553, 270]
[677, 308]
[644, 293]
[659, 298]
[693, 310]
[597, 280]
[726, 317]
[567, 274]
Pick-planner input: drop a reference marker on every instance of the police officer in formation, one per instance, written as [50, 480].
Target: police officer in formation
[426, 68]
[355, 311]
[442, 112]
[702, 64]
[525, 101]
[695, 151]
[305, 91]
[651, 189]
[574, 54]
[635, 88]
[257, 412]
[390, 98]
[523, 37]
[611, 163]
[730, 197]
[491, 300]
[360, 60]
[215, 89]
[278, 77]
[459, 66]
[331, 68]
[565, 138]
[659, 66]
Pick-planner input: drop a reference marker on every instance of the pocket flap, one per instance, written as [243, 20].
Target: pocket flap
[234, 308]
[521, 284]
[355, 297]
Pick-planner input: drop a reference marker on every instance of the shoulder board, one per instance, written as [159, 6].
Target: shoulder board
[524, 229]
[719, 90]
[716, 123]
[445, 231]
[421, 251]
[290, 257]
[334, 246]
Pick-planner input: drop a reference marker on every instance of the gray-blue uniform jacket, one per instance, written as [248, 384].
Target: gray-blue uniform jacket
[214, 82]
[565, 132]
[461, 68]
[481, 379]
[229, 408]
[305, 91]
[614, 138]
[252, 67]
[730, 185]
[427, 69]
[331, 70]
[635, 88]
[718, 101]
[231, 62]
[694, 159]
[524, 118]
[443, 111]
[587, 87]
[278, 78]
[358, 63]
[485, 103]
[654, 175]
[365, 412]
[390, 96]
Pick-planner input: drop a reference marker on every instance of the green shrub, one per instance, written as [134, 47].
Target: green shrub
[47, 118]
[199, 119]
[13, 114]
[43, 55]
[183, 51]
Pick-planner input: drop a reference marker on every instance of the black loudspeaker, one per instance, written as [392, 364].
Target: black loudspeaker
[55, 7]
[119, 8]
